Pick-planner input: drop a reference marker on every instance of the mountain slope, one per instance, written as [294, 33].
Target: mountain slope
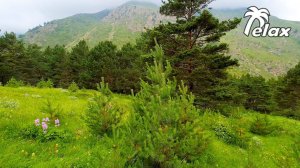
[259, 56]
[262, 56]
[121, 25]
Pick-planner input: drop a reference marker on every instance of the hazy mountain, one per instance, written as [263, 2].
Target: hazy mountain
[266, 56]
[121, 25]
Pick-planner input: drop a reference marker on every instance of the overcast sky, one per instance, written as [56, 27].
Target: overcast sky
[20, 15]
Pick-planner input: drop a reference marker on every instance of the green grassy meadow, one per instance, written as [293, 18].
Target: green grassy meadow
[76, 147]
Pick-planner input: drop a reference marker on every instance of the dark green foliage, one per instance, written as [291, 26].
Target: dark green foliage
[257, 93]
[231, 136]
[31, 132]
[101, 62]
[79, 63]
[122, 68]
[13, 59]
[262, 126]
[14, 83]
[45, 84]
[193, 48]
[130, 69]
[288, 93]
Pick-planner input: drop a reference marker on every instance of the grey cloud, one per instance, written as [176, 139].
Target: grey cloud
[20, 15]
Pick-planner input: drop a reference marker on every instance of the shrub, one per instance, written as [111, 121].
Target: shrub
[164, 129]
[231, 136]
[102, 115]
[53, 112]
[103, 88]
[262, 126]
[73, 87]
[56, 134]
[45, 84]
[31, 132]
[46, 131]
[14, 83]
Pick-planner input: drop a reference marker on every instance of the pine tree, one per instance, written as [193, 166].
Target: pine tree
[192, 45]
[101, 63]
[13, 59]
[130, 69]
[79, 63]
[164, 129]
[36, 63]
[61, 67]
[257, 93]
[288, 93]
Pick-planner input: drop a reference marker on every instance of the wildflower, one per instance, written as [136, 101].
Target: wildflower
[37, 122]
[44, 126]
[57, 123]
[46, 119]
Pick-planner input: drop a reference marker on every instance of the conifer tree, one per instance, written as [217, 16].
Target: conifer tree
[257, 93]
[101, 63]
[13, 59]
[192, 45]
[164, 130]
[288, 93]
[79, 63]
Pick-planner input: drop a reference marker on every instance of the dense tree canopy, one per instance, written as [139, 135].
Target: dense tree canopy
[121, 68]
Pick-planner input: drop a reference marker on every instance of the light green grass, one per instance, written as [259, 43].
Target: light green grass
[19, 107]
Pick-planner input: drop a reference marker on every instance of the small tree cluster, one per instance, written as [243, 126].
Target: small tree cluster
[163, 130]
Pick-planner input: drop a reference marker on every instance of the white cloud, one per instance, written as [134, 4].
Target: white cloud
[285, 9]
[20, 15]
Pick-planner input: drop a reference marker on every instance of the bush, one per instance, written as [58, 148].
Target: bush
[53, 112]
[231, 136]
[102, 115]
[56, 134]
[262, 126]
[14, 83]
[103, 88]
[73, 87]
[164, 130]
[51, 133]
[45, 84]
[31, 132]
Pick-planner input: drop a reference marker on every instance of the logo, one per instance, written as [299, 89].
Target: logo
[264, 28]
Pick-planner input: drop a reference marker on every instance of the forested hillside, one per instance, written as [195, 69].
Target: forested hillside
[269, 57]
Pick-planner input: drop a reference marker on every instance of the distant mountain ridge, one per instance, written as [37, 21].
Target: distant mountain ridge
[268, 57]
[121, 25]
